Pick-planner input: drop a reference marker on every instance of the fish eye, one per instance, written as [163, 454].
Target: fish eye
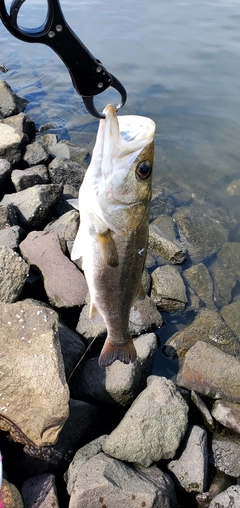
[144, 170]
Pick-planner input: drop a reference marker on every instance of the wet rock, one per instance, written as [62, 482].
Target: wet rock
[13, 274]
[162, 239]
[67, 150]
[197, 373]
[35, 154]
[221, 215]
[103, 479]
[159, 414]
[68, 173]
[163, 203]
[201, 283]
[34, 205]
[230, 498]
[11, 237]
[22, 123]
[202, 407]
[10, 496]
[229, 255]
[40, 492]
[228, 414]
[190, 468]
[22, 179]
[226, 453]
[201, 234]
[66, 227]
[42, 250]
[224, 281]
[208, 327]
[119, 383]
[12, 143]
[231, 315]
[10, 103]
[31, 370]
[81, 425]
[168, 289]
[8, 216]
[234, 188]
[49, 140]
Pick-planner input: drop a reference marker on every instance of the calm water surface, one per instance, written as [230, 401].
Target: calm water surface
[179, 61]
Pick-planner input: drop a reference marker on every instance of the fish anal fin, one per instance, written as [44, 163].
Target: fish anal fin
[140, 293]
[125, 353]
[95, 315]
[108, 248]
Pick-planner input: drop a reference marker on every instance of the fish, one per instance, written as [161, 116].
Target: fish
[114, 201]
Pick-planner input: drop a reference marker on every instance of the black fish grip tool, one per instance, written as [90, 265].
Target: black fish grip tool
[88, 75]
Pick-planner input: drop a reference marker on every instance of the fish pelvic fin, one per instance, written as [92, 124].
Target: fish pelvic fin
[125, 353]
[108, 248]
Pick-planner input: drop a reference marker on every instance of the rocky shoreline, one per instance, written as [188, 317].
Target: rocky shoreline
[82, 436]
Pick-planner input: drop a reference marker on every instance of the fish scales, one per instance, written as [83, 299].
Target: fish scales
[114, 201]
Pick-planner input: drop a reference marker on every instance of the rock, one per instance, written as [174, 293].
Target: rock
[162, 239]
[201, 283]
[12, 143]
[5, 173]
[152, 428]
[162, 203]
[40, 492]
[67, 150]
[13, 274]
[65, 288]
[230, 498]
[202, 407]
[34, 205]
[11, 237]
[22, 179]
[87, 328]
[22, 123]
[228, 414]
[109, 481]
[35, 154]
[9, 495]
[231, 315]
[119, 383]
[8, 216]
[219, 483]
[72, 347]
[229, 255]
[208, 327]
[10, 103]
[68, 173]
[31, 369]
[190, 468]
[197, 373]
[225, 218]
[234, 188]
[66, 227]
[224, 281]
[168, 289]
[81, 425]
[144, 316]
[226, 453]
[201, 234]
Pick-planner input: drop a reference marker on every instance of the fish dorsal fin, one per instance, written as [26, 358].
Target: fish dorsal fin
[108, 248]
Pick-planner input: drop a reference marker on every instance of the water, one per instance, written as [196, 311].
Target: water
[179, 61]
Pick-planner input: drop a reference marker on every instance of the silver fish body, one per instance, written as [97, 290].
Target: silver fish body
[114, 201]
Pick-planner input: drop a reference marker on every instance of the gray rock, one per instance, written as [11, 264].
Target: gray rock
[224, 281]
[81, 425]
[31, 370]
[5, 172]
[10, 103]
[22, 179]
[22, 123]
[11, 237]
[13, 274]
[168, 289]
[226, 453]
[190, 468]
[230, 498]
[153, 427]
[66, 227]
[163, 203]
[220, 482]
[8, 216]
[234, 188]
[221, 215]
[34, 205]
[10, 496]
[229, 255]
[201, 234]
[12, 143]
[228, 414]
[118, 383]
[197, 373]
[67, 150]
[162, 239]
[208, 327]
[144, 316]
[87, 328]
[202, 407]
[40, 492]
[49, 140]
[231, 315]
[72, 347]
[35, 154]
[201, 283]
[42, 250]
[110, 482]
[68, 173]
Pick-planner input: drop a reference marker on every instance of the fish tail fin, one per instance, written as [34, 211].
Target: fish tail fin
[126, 353]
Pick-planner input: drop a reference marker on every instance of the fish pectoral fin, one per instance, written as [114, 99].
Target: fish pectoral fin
[108, 248]
[95, 315]
[126, 353]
